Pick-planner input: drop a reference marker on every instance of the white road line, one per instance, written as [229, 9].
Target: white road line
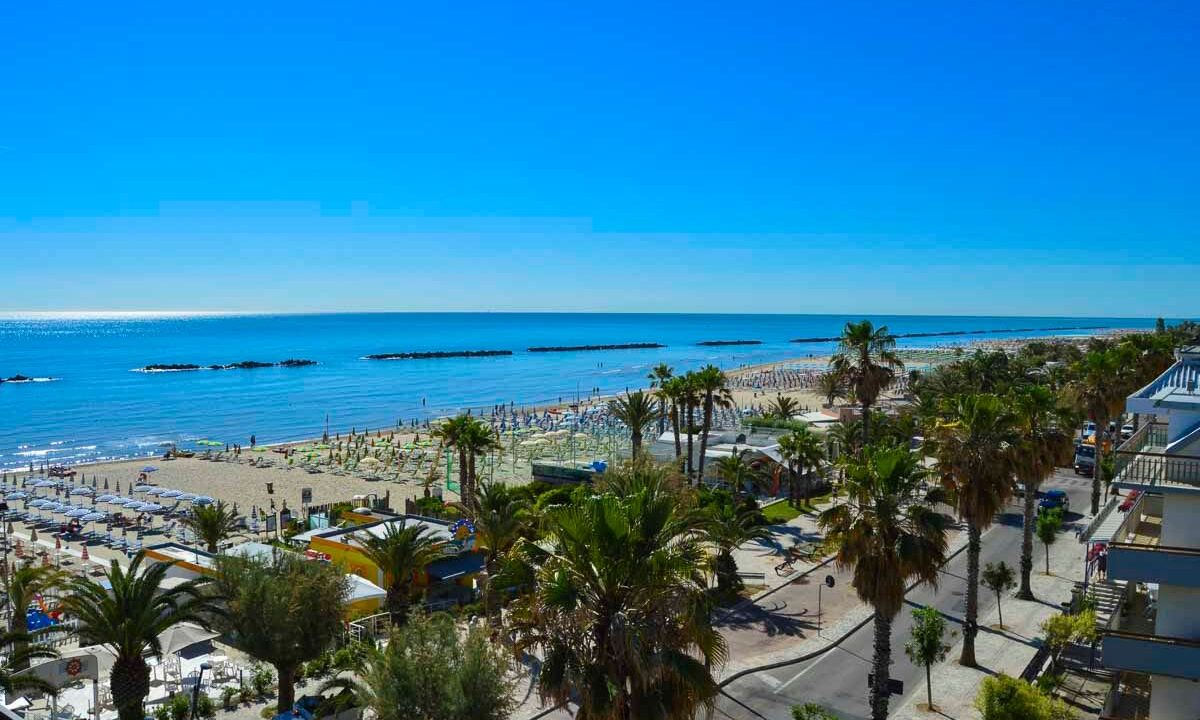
[800, 674]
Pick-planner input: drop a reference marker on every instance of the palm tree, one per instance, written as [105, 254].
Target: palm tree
[19, 652]
[128, 616]
[638, 411]
[867, 361]
[671, 393]
[476, 439]
[890, 536]
[713, 387]
[734, 470]
[500, 520]
[400, 552]
[732, 525]
[213, 524]
[618, 607]
[23, 587]
[659, 375]
[783, 407]
[975, 442]
[831, 386]
[803, 452]
[1097, 390]
[1043, 442]
[451, 433]
[689, 397]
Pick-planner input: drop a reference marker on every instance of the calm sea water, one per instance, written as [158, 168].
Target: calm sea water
[99, 409]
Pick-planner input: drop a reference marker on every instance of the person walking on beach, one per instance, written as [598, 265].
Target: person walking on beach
[252, 442]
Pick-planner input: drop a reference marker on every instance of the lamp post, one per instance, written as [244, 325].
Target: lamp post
[196, 690]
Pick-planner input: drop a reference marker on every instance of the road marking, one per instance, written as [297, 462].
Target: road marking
[800, 674]
[769, 679]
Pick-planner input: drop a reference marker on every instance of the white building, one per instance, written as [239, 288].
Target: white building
[1154, 643]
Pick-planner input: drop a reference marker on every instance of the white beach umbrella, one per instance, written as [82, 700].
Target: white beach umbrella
[185, 497]
[142, 488]
[171, 493]
[152, 507]
[156, 491]
[78, 513]
[105, 497]
[203, 500]
[93, 517]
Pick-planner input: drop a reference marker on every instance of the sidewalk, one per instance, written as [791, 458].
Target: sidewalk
[996, 651]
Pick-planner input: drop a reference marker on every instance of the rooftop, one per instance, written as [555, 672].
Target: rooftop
[1178, 387]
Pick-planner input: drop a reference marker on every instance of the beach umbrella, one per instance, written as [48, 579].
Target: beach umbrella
[186, 497]
[78, 513]
[83, 490]
[33, 535]
[18, 495]
[156, 491]
[36, 503]
[85, 553]
[149, 469]
[152, 507]
[93, 517]
[45, 484]
[134, 505]
[182, 636]
[203, 500]
[106, 483]
[141, 488]
[171, 493]
[104, 498]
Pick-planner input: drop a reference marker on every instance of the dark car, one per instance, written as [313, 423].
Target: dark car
[1054, 500]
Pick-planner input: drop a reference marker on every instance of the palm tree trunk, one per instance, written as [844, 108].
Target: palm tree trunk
[1097, 475]
[130, 682]
[636, 441]
[866, 423]
[287, 687]
[691, 418]
[1026, 591]
[472, 478]
[675, 429]
[883, 659]
[706, 423]
[972, 618]
[464, 489]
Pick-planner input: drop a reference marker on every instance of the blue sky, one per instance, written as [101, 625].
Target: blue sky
[999, 158]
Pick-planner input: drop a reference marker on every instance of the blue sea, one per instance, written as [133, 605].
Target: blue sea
[98, 408]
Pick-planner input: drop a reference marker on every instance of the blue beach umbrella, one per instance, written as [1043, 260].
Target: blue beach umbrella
[82, 490]
[78, 513]
[104, 498]
[203, 500]
[186, 497]
[170, 493]
[142, 488]
[93, 517]
[149, 469]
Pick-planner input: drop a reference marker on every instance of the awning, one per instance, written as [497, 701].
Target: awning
[456, 567]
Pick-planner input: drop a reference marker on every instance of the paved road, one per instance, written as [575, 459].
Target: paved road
[838, 678]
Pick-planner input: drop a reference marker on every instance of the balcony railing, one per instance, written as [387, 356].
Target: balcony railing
[1142, 460]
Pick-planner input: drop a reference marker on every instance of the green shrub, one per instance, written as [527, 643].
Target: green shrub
[205, 707]
[180, 706]
[1006, 698]
[262, 678]
[227, 697]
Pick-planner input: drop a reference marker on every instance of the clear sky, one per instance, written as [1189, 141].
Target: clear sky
[928, 157]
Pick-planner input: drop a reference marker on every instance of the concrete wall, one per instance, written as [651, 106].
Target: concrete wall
[1178, 612]
[1180, 423]
[1181, 521]
[1174, 699]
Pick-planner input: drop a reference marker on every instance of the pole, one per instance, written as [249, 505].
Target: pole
[819, 610]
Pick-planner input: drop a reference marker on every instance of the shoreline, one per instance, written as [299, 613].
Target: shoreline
[563, 403]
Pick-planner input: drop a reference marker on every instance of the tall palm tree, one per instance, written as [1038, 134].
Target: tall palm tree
[658, 376]
[23, 587]
[783, 407]
[451, 432]
[400, 552]
[618, 606]
[500, 520]
[1096, 389]
[671, 393]
[638, 411]
[803, 452]
[1043, 442]
[476, 440]
[867, 361]
[689, 397]
[212, 524]
[890, 536]
[975, 443]
[128, 616]
[19, 652]
[713, 387]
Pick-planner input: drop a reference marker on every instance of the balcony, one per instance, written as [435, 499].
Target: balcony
[1142, 463]
[1136, 553]
[1152, 654]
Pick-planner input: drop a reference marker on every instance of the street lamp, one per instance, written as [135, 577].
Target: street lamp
[196, 690]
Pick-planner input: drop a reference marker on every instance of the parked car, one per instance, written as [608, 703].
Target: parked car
[1089, 429]
[1085, 459]
[1126, 431]
[1054, 500]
